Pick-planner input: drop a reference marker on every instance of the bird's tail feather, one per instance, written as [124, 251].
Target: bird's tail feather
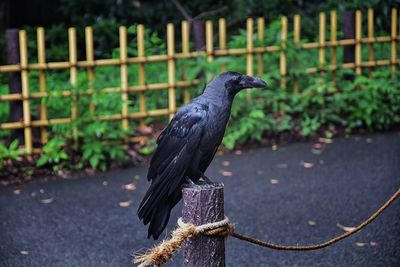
[158, 215]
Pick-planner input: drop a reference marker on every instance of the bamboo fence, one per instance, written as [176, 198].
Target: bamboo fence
[253, 53]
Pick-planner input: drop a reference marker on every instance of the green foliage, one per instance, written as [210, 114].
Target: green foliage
[53, 153]
[12, 152]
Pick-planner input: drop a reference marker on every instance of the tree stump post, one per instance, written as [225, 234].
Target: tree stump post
[201, 205]
[14, 82]
[349, 32]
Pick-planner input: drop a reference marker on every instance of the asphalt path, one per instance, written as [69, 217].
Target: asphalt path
[294, 194]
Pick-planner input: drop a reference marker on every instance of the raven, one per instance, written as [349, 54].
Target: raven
[187, 146]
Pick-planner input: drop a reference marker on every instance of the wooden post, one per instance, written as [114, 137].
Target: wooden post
[198, 34]
[349, 33]
[14, 81]
[203, 205]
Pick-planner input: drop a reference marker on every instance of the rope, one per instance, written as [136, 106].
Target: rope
[160, 254]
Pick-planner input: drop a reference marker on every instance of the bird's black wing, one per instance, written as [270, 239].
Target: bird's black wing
[177, 144]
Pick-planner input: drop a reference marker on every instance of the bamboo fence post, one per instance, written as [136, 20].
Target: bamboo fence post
[282, 62]
[73, 77]
[185, 51]
[358, 43]
[260, 36]
[393, 38]
[14, 81]
[296, 39]
[222, 38]
[283, 69]
[209, 40]
[249, 51]
[171, 70]
[41, 49]
[333, 46]
[123, 55]
[142, 77]
[25, 91]
[90, 60]
[249, 47]
[203, 205]
[322, 31]
[370, 37]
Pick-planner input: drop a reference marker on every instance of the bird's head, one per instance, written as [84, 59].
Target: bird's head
[234, 82]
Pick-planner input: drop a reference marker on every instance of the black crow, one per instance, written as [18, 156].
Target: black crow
[187, 146]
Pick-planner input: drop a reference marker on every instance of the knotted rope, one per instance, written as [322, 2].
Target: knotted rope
[159, 255]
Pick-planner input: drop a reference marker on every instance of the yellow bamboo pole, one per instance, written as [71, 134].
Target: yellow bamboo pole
[333, 46]
[249, 47]
[222, 38]
[260, 36]
[283, 70]
[23, 51]
[123, 55]
[370, 35]
[296, 38]
[322, 29]
[142, 78]
[185, 51]
[393, 36]
[283, 66]
[358, 42]
[171, 70]
[73, 75]
[209, 40]
[249, 50]
[41, 49]
[90, 59]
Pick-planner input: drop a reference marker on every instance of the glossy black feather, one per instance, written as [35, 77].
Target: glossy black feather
[186, 147]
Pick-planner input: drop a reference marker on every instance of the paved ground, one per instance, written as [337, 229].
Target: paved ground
[80, 222]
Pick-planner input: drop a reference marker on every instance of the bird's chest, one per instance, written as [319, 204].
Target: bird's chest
[214, 132]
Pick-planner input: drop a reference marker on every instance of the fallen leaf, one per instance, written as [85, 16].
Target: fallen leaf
[345, 228]
[238, 152]
[312, 223]
[17, 191]
[130, 186]
[361, 244]
[307, 165]
[105, 183]
[282, 165]
[373, 243]
[125, 204]
[325, 140]
[317, 146]
[24, 252]
[47, 200]
[41, 191]
[274, 181]
[274, 147]
[369, 140]
[225, 163]
[226, 173]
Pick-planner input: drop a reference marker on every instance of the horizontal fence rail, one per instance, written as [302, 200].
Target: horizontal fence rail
[252, 52]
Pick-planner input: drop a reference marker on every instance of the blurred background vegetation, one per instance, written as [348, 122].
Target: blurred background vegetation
[370, 101]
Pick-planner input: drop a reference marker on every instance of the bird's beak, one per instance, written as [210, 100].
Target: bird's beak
[254, 82]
